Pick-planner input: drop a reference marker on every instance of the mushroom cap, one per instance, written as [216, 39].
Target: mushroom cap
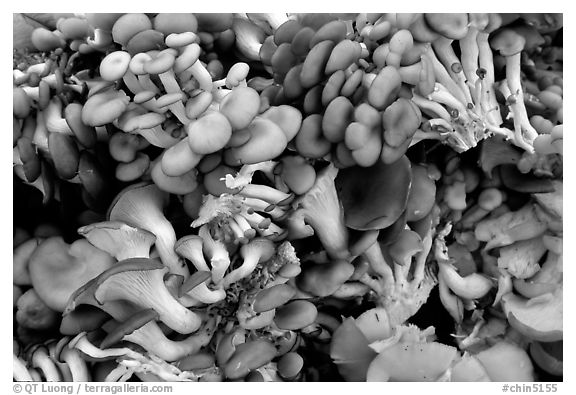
[128, 25]
[85, 134]
[140, 195]
[168, 23]
[119, 239]
[137, 63]
[267, 141]
[209, 133]
[144, 121]
[45, 40]
[86, 294]
[160, 64]
[140, 281]
[405, 246]
[104, 107]
[411, 361]
[259, 245]
[141, 205]
[288, 118]
[114, 65]
[240, 106]
[537, 318]
[84, 318]
[507, 42]
[187, 58]
[422, 196]
[199, 277]
[177, 185]
[58, 269]
[451, 25]
[119, 330]
[191, 248]
[374, 197]
[102, 20]
[145, 40]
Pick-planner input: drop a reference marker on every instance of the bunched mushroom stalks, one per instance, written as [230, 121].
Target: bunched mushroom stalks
[288, 197]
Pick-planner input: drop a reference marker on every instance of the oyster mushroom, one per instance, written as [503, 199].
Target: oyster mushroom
[118, 239]
[141, 205]
[57, 269]
[139, 282]
[374, 197]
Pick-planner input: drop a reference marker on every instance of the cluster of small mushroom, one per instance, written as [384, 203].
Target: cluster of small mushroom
[333, 173]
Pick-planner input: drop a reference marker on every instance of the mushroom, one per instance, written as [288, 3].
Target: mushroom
[137, 120]
[128, 25]
[132, 171]
[19, 371]
[83, 318]
[33, 313]
[407, 244]
[240, 107]
[39, 358]
[510, 45]
[209, 133]
[20, 260]
[70, 360]
[162, 65]
[141, 205]
[190, 247]
[86, 135]
[57, 269]
[178, 185]
[309, 141]
[114, 65]
[104, 107]
[168, 23]
[267, 141]
[320, 208]
[153, 340]
[287, 117]
[249, 38]
[136, 67]
[217, 252]
[118, 239]
[382, 199]
[180, 158]
[130, 361]
[254, 252]
[139, 284]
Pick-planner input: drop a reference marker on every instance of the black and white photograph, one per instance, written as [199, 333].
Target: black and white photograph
[287, 197]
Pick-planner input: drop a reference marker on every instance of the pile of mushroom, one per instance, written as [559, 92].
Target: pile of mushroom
[289, 197]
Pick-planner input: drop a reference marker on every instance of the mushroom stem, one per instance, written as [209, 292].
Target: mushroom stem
[217, 252]
[452, 303]
[206, 295]
[158, 137]
[146, 288]
[19, 370]
[378, 263]
[473, 286]
[151, 337]
[200, 74]
[256, 251]
[513, 79]
[42, 361]
[190, 247]
[76, 364]
[486, 62]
